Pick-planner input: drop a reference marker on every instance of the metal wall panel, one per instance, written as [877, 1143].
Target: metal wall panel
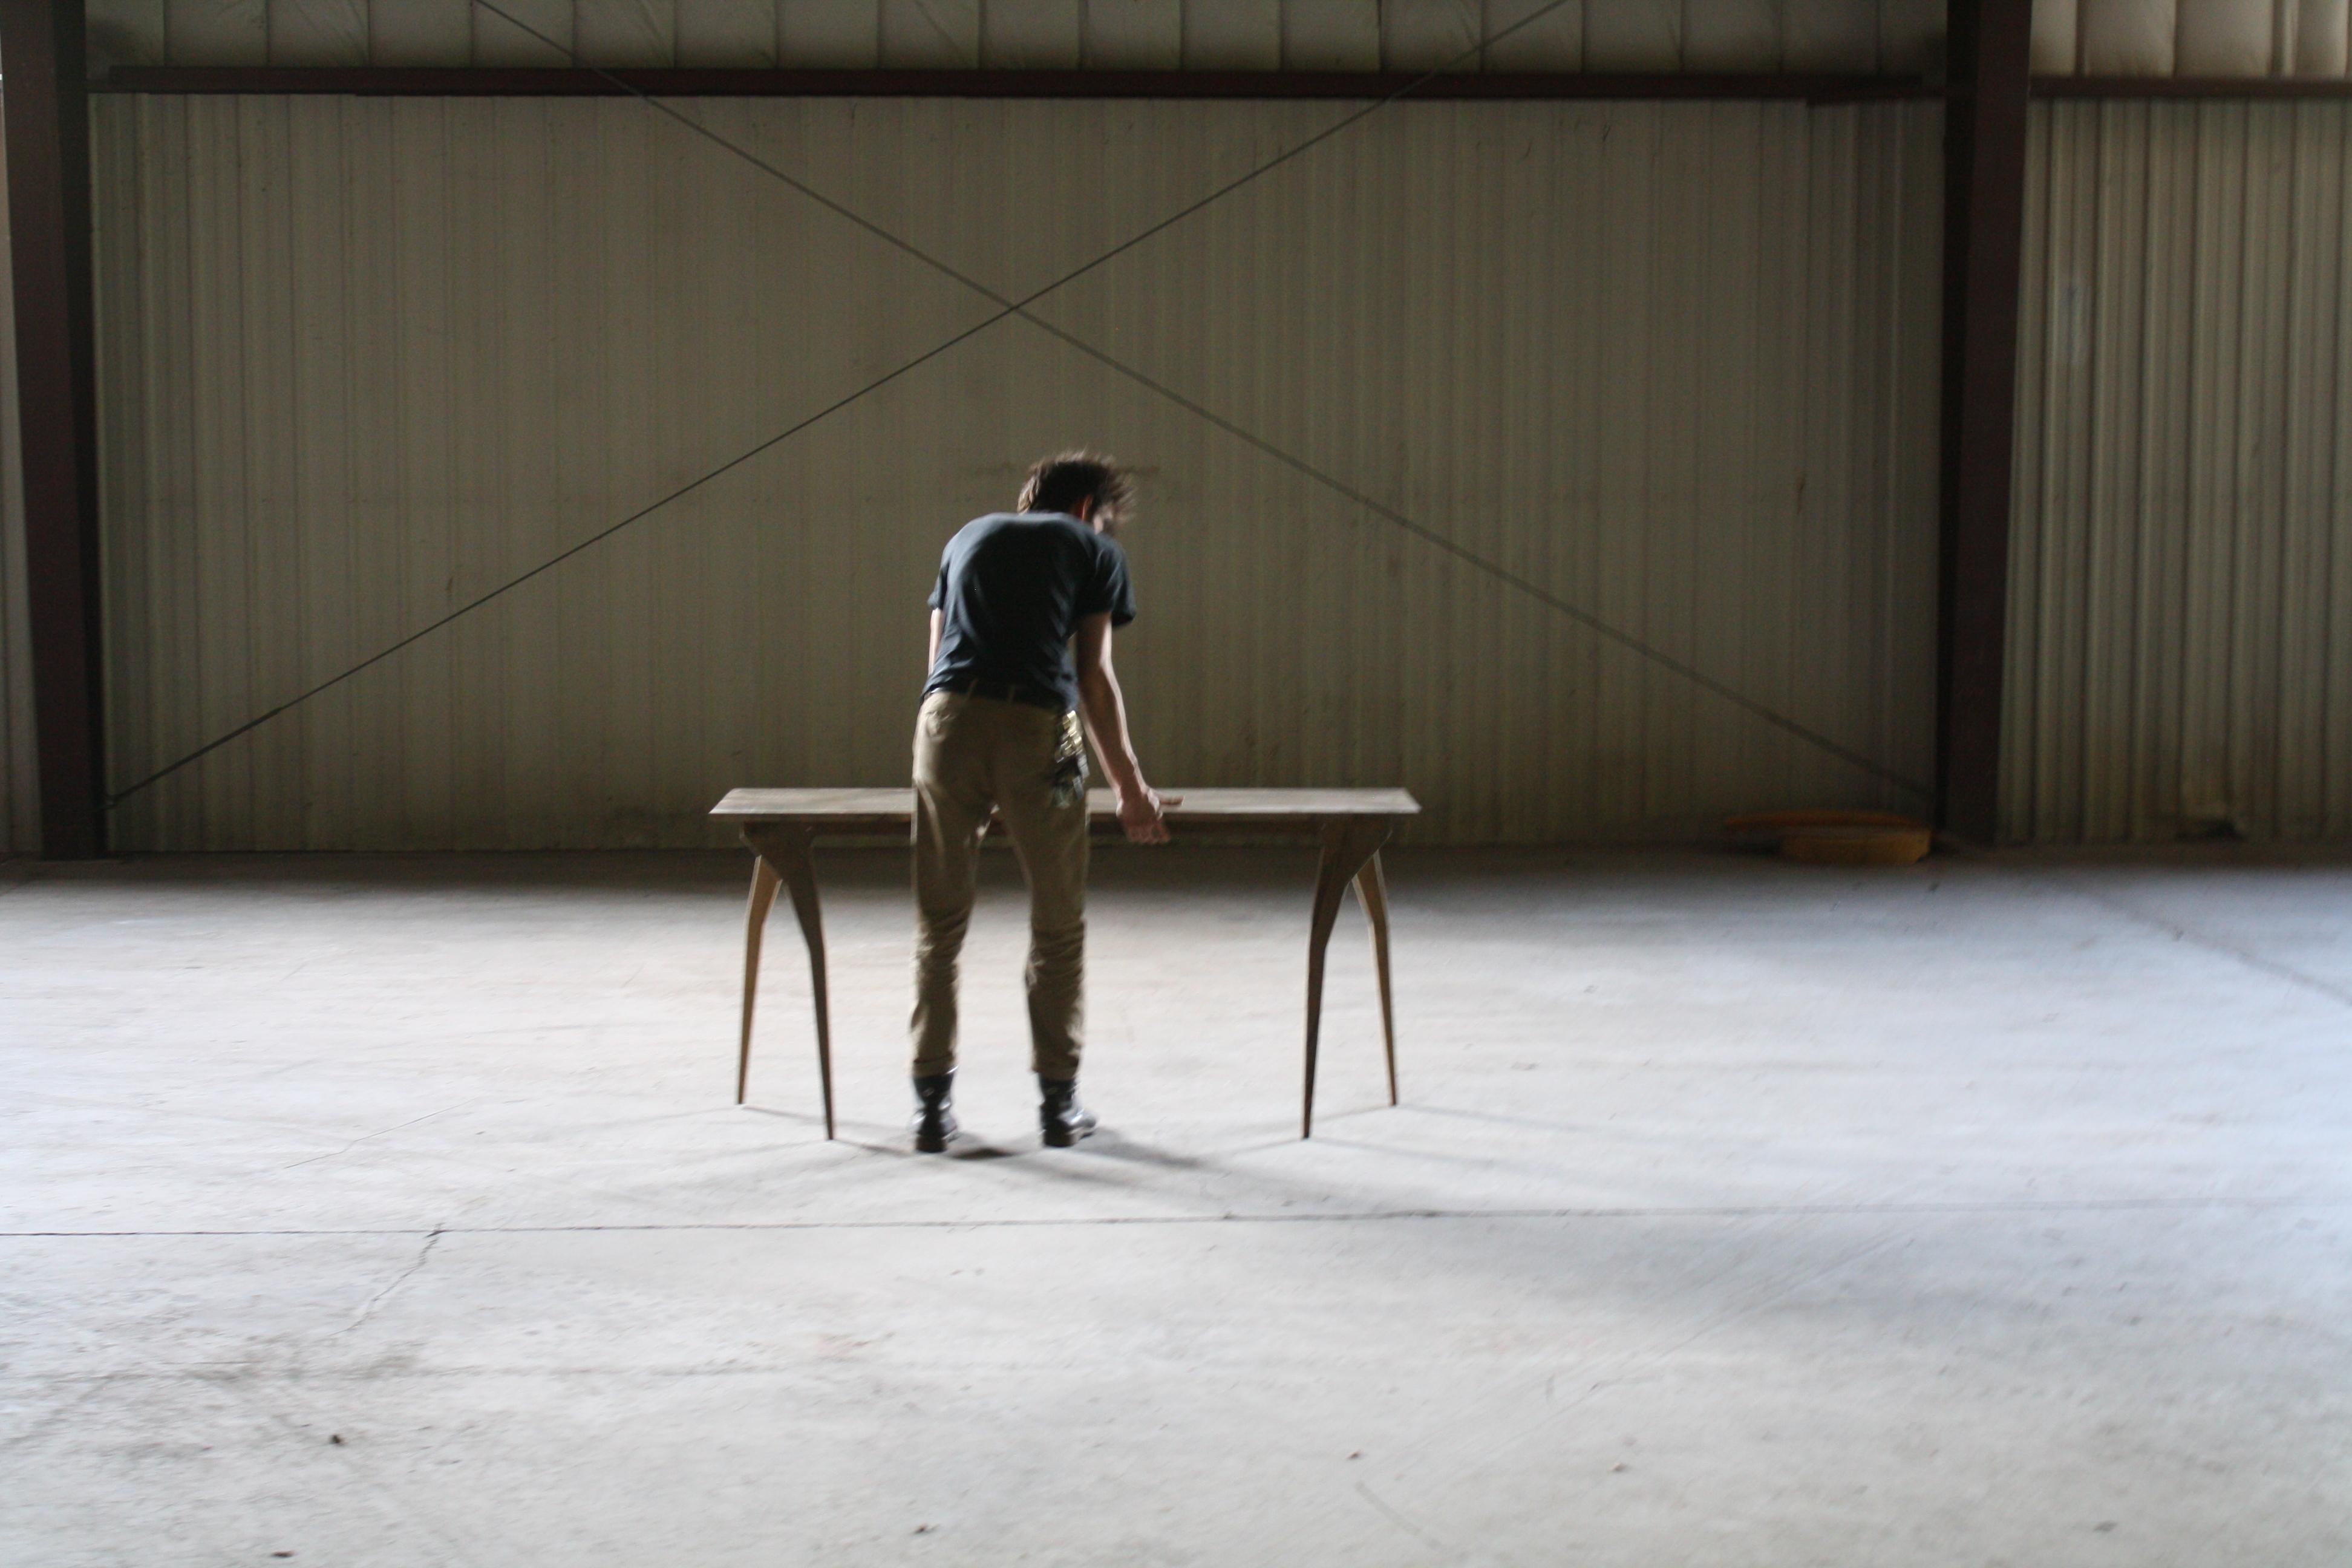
[1033, 35]
[2181, 585]
[130, 32]
[20, 823]
[1893, 36]
[829, 35]
[1535, 36]
[366, 358]
[541, 33]
[1232, 35]
[724, 32]
[617, 33]
[413, 33]
[2227, 38]
[217, 32]
[1135, 35]
[2128, 38]
[2320, 28]
[2057, 28]
[2099, 37]
[1331, 35]
[2250, 39]
[318, 32]
[1432, 34]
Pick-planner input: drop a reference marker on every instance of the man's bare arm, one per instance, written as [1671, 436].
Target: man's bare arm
[1104, 709]
[938, 630]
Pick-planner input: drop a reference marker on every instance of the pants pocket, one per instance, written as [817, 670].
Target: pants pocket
[936, 718]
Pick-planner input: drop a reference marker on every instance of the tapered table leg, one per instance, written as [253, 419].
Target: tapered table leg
[1372, 892]
[785, 846]
[1347, 846]
[763, 897]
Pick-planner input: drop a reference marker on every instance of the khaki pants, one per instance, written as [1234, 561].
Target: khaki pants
[973, 752]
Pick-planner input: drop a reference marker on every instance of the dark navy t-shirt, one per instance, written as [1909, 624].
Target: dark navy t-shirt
[1013, 587]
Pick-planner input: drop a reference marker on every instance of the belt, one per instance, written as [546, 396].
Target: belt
[1006, 691]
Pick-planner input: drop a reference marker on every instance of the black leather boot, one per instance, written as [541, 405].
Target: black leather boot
[934, 1120]
[1064, 1120]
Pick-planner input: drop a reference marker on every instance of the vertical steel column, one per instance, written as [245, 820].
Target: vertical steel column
[1984, 218]
[41, 61]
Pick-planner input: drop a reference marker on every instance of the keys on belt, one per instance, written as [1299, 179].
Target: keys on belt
[1070, 762]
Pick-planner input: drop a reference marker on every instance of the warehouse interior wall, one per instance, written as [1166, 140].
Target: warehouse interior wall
[2180, 614]
[20, 823]
[362, 360]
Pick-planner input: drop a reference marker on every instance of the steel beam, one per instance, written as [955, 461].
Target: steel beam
[49, 238]
[1984, 219]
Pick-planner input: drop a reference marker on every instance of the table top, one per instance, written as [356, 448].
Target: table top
[850, 810]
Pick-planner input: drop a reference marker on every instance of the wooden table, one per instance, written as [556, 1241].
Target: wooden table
[781, 825]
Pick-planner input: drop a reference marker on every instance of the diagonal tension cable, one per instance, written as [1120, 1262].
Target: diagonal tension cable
[1008, 306]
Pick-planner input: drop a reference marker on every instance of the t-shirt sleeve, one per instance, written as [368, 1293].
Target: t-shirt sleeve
[1108, 590]
[939, 600]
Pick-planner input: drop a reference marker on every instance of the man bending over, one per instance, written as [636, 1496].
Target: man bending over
[999, 729]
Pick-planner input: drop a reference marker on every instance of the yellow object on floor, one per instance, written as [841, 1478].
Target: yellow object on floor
[1841, 837]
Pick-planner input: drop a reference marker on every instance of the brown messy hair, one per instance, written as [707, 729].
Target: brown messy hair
[1059, 483]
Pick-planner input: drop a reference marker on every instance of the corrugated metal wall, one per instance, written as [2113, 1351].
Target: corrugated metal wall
[1893, 36]
[2181, 590]
[19, 793]
[2093, 38]
[2208, 38]
[363, 359]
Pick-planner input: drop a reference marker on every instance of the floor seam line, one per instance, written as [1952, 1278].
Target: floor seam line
[2150, 1206]
[2182, 932]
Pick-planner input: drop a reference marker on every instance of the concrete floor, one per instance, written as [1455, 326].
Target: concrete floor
[375, 1211]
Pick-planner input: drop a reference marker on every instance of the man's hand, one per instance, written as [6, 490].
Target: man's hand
[1139, 814]
[1103, 711]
